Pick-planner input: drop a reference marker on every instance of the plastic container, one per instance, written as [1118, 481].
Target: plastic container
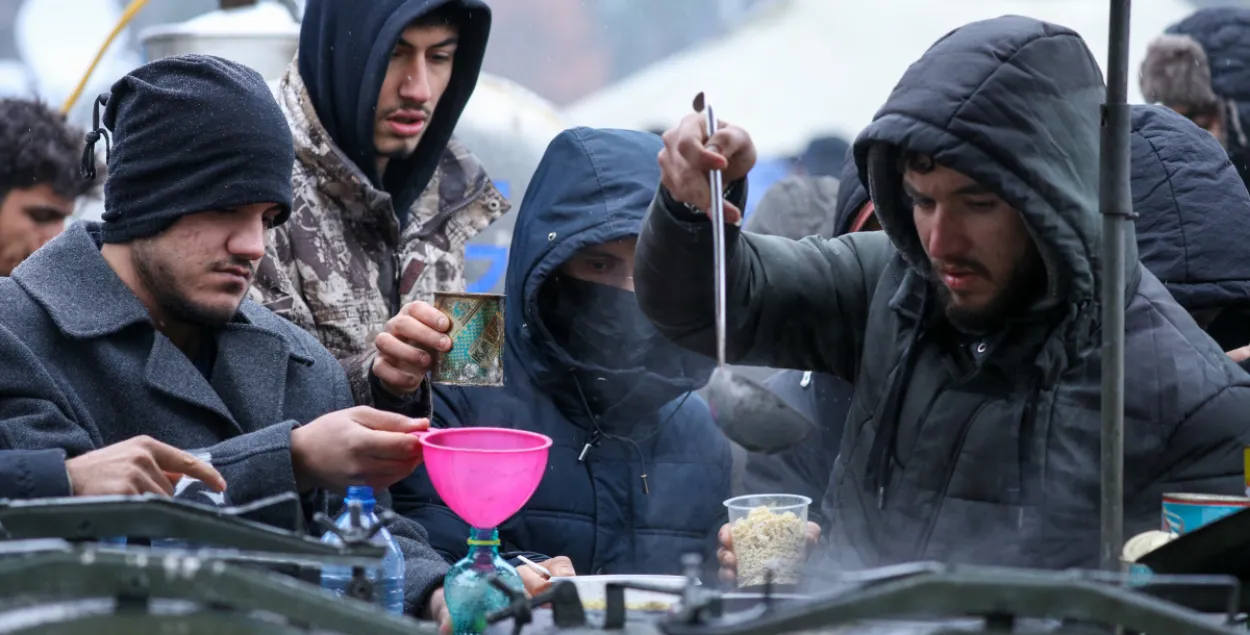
[769, 533]
[1183, 513]
[194, 491]
[187, 489]
[387, 579]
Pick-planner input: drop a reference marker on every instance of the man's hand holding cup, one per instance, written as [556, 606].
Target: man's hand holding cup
[409, 347]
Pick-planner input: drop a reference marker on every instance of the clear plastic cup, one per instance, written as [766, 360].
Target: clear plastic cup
[769, 534]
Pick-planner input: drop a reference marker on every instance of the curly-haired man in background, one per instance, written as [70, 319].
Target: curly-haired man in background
[40, 156]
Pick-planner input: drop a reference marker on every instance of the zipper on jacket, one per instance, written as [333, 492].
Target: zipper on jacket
[1027, 423]
[396, 293]
[442, 216]
[924, 415]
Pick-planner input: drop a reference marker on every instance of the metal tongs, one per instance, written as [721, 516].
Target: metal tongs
[717, 185]
[749, 414]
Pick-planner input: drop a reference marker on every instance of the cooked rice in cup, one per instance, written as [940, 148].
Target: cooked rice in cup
[765, 540]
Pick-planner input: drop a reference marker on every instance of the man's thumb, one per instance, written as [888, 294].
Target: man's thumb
[388, 421]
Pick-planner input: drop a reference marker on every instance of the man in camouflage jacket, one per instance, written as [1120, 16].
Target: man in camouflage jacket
[384, 199]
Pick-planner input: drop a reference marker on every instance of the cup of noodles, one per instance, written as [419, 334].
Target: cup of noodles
[477, 340]
[769, 533]
[1183, 513]
[1246, 461]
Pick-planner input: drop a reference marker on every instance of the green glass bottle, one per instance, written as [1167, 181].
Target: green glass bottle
[467, 589]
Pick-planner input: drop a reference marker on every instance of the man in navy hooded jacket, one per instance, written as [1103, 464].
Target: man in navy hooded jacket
[1193, 223]
[638, 470]
[384, 198]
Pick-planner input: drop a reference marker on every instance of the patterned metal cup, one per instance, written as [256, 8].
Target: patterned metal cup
[477, 339]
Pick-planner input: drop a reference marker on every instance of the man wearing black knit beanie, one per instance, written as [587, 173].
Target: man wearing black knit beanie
[138, 326]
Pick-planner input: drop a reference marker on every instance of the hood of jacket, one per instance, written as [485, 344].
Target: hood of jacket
[343, 79]
[797, 206]
[1012, 103]
[592, 187]
[851, 196]
[1193, 212]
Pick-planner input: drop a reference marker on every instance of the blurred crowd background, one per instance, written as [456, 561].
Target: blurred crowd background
[802, 75]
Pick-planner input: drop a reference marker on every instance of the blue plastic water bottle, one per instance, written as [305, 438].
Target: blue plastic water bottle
[388, 579]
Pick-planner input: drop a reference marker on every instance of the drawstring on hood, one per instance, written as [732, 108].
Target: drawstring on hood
[96, 133]
[599, 434]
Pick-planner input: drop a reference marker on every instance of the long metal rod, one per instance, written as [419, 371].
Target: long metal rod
[718, 241]
[1116, 208]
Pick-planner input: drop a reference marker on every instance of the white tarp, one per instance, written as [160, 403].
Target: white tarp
[58, 39]
[801, 68]
[508, 127]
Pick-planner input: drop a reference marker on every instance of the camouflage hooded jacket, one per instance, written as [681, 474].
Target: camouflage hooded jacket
[341, 267]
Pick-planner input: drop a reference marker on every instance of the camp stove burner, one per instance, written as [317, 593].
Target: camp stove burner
[911, 599]
[699, 607]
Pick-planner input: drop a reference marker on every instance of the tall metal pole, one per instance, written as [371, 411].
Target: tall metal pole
[1115, 204]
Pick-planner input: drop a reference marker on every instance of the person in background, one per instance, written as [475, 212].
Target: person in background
[797, 206]
[970, 327]
[138, 325]
[638, 470]
[823, 398]
[40, 182]
[1193, 223]
[823, 157]
[384, 198]
[1200, 67]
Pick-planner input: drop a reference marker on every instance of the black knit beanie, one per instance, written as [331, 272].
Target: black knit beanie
[190, 133]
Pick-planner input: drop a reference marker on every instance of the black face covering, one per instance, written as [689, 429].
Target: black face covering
[621, 366]
[597, 324]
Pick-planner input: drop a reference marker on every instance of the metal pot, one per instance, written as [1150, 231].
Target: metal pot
[232, 34]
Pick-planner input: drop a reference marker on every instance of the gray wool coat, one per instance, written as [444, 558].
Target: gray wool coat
[83, 367]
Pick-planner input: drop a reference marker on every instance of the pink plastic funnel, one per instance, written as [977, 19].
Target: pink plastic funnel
[485, 475]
